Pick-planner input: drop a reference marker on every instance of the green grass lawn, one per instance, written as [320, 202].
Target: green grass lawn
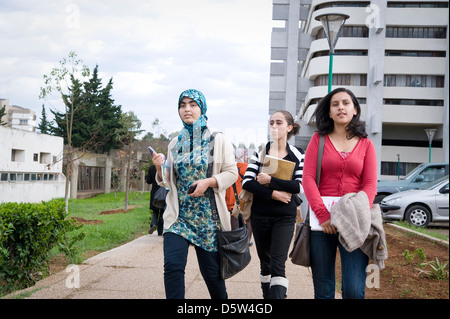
[115, 229]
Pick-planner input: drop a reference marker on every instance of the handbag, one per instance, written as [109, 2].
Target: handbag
[159, 199]
[300, 253]
[245, 205]
[234, 252]
[233, 245]
[246, 198]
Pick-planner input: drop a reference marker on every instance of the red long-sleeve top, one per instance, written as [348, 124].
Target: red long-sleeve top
[339, 176]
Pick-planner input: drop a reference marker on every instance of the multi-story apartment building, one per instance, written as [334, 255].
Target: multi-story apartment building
[392, 54]
[18, 117]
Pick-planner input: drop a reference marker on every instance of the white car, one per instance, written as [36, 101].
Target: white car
[419, 206]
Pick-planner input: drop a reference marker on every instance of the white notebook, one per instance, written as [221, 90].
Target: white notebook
[328, 201]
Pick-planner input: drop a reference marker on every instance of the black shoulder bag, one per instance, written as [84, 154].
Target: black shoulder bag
[233, 245]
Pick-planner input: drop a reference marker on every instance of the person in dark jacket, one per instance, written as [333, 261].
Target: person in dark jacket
[275, 202]
[157, 216]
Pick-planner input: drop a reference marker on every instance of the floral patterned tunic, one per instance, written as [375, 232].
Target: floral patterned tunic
[195, 222]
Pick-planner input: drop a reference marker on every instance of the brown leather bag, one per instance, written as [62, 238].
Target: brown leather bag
[300, 253]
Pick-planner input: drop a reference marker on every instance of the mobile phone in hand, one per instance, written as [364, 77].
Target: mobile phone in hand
[192, 188]
[152, 151]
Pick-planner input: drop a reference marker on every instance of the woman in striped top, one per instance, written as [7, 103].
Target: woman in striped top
[275, 204]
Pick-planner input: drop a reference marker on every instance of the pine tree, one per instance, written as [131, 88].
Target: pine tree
[74, 109]
[97, 124]
[2, 113]
[44, 126]
[107, 115]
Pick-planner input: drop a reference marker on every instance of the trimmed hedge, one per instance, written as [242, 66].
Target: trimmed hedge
[28, 232]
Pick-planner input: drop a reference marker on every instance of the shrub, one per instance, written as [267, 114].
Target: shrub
[28, 231]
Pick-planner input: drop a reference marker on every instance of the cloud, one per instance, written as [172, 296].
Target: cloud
[153, 50]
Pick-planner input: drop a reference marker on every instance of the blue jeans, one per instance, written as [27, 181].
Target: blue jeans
[175, 259]
[323, 260]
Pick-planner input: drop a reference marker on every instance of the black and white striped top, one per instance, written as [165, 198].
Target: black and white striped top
[263, 204]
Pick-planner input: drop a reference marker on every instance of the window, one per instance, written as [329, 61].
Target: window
[434, 81]
[413, 102]
[35, 157]
[27, 177]
[432, 173]
[342, 79]
[46, 158]
[17, 155]
[410, 32]
[389, 80]
[395, 168]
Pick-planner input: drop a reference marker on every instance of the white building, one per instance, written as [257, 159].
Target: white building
[30, 166]
[18, 117]
[392, 54]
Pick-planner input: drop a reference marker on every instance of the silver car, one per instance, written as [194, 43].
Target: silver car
[419, 206]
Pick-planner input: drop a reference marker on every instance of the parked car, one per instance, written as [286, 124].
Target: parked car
[420, 176]
[419, 206]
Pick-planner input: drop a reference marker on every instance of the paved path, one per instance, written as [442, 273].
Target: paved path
[135, 270]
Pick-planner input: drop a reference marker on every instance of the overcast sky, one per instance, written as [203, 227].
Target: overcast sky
[153, 50]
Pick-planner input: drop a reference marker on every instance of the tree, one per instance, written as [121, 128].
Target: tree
[97, 124]
[44, 126]
[106, 116]
[56, 84]
[131, 128]
[2, 113]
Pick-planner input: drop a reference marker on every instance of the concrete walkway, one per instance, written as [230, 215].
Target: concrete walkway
[135, 270]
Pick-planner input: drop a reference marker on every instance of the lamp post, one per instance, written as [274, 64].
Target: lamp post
[430, 133]
[332, 24]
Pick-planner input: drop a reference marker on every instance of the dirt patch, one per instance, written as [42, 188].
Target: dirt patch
[116, 211]
[401, 278]
[81, 220]
[59, 262]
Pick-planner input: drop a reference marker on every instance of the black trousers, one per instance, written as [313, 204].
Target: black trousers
[273, 237]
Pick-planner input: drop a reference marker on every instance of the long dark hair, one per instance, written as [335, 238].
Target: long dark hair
[325, 124]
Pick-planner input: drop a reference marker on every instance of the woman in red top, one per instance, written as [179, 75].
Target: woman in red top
[349, 165]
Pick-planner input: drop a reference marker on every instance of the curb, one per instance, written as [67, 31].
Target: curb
[437, 240]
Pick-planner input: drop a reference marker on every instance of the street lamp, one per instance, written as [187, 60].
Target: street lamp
[430, 133]
[332, 25]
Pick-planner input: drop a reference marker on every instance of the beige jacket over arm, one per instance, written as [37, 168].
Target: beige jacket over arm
[224, 171]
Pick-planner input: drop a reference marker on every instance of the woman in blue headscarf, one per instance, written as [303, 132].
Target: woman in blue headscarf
[188, 218]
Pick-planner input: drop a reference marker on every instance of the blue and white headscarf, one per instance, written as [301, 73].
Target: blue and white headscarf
[199, 98]
[191, 133]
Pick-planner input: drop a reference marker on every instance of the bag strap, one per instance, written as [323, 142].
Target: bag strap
[319, 158]
[319, 163]
[209, 192]
[263, 156]
[236, 195]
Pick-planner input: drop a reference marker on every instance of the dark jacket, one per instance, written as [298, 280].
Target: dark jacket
[263, 204]
[151, 179]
